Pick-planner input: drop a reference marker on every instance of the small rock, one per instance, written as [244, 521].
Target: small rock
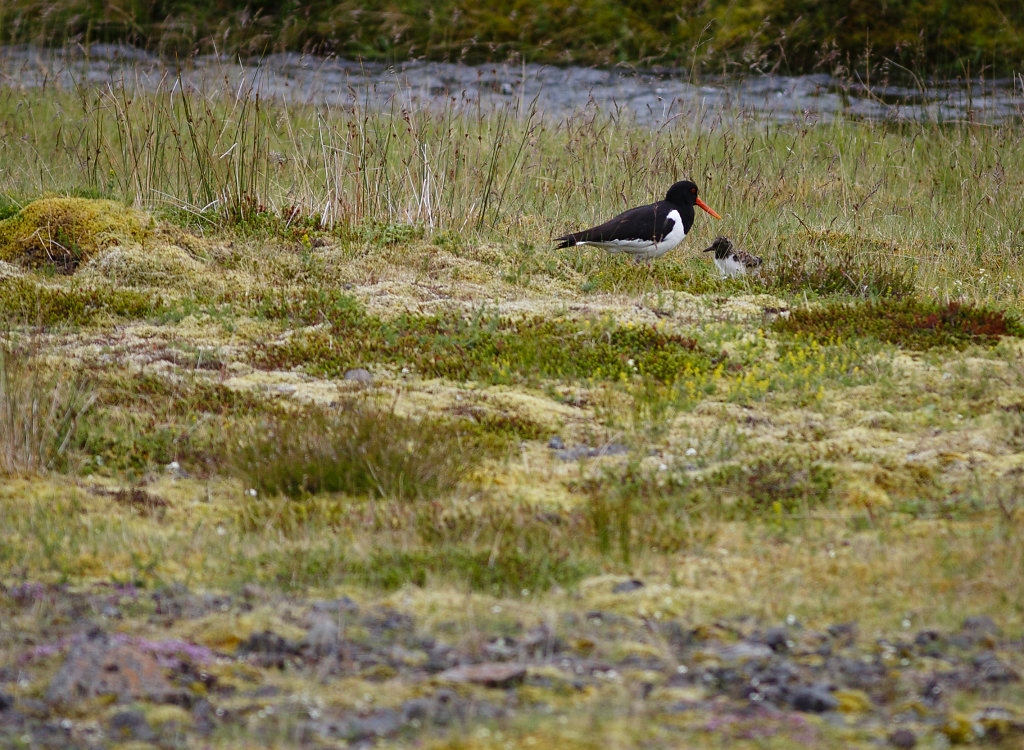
[204, 716]
[6, 702]
[127, 726]
[741, 652]
[440, 658]
[777, 639]
[335, 606]
[812, 699]
[903, 739]
[585, 451]
[268, 649]
[980, 624]
[626, 586]
[976, 630]
[98, 665]
[359, 375]
[323, 636]
[502, 648]
[844, 632]
[540, 640]
[381, 723]
[556, 443]
[991, 668]
[417, 709]
[492, 674]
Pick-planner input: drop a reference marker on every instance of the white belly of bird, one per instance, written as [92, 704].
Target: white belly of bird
[730, 266]
[646, 249]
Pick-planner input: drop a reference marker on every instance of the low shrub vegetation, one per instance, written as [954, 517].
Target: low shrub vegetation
[911, 323]
[355, 449]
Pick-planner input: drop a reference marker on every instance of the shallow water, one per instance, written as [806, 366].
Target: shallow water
[652, 98]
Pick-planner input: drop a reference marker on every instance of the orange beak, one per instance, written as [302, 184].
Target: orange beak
[707, 208]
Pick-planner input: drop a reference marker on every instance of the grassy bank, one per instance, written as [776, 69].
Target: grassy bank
[897, 204]
[190, 286]
[869, 37]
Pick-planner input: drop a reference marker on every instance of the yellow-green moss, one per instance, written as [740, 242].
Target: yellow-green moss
[65, 232]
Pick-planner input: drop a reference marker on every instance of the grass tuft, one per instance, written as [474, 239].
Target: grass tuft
[837, 263]
[39, 413]
[357, 449]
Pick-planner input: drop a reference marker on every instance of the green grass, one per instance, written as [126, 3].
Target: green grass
[716, 36]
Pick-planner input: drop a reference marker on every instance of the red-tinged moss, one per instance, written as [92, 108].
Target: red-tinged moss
[910, 323]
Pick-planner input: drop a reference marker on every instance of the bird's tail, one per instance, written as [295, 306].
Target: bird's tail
[566, 241]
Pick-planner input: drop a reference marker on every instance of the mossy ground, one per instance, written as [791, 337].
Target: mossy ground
[774, 459]
[840, 438]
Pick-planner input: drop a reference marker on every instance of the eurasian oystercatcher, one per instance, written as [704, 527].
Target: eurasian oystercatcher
[730, 261]
[647, 231]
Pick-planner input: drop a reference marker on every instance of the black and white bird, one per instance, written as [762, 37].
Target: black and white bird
[730, 261]
[645, 232]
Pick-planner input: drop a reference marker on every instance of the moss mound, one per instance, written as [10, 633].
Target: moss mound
[62, 233]
[155, 265]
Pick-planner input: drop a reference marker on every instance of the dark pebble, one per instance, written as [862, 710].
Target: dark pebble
[447, 708]
[982, 624]
[556, 443]
[268, 649]
[626, 586]
[6, 702]
[267, 642]
[585, 451]
[844, 632]
[777, 639]
[417, 709]
[440, 658]
[812, 700]
[976, 630]
[381, 723]
[903, 739]
[991, 668]
[126, 726]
